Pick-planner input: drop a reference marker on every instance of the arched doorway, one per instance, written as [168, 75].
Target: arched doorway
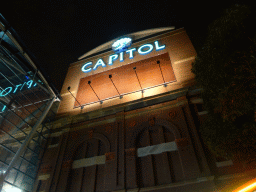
[158, 160]
[88, 169]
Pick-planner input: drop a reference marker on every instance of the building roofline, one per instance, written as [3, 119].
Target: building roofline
[135, 37]
[93, 56]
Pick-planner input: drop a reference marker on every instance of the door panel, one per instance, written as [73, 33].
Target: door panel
[157, 169]
[89, 178]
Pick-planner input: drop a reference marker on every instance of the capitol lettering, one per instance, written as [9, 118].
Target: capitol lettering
[142, 50]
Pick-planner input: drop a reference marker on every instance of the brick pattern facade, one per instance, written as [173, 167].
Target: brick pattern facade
[117, 128]
[123, 169]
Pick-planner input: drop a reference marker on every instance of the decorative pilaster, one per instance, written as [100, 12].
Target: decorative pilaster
[131, 177]
[110, 171]
[188, 159]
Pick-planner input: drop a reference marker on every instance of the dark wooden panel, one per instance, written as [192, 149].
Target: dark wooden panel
[81, 151]
[173, 158]
[62, 184]
[77, 174]
[63, 142]
[100, 178]
[162, 169]
[110, 171]
[131, 177]
[102, 149]
[120, 152]
[145, 163]
[101, 170]
[168, 136]
[42, 185]
[175, 166]
[76, 180]
[147, 171]
[89, 174]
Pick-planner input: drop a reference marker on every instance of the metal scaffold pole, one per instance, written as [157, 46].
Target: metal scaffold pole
[25, 144]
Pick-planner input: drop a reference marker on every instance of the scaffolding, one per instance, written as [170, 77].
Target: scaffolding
[28, 103]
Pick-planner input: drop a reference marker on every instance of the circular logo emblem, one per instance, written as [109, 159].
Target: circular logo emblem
[122, 44]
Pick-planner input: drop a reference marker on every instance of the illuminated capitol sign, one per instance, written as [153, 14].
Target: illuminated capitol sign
[120, 46]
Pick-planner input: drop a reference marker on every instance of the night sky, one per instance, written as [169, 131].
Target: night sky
[58, 32]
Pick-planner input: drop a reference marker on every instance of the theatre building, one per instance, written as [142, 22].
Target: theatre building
[128, 120]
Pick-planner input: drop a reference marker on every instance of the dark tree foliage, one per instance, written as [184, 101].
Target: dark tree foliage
[225, 68]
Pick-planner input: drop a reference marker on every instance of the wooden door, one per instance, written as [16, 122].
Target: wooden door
[88, 178]
[161, 168]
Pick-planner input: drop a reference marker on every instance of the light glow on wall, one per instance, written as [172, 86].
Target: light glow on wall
[126, 81]
[247, 187]
[10, 188]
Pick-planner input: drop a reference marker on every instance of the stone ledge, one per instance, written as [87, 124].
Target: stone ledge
[224, 163]
[171, 185]
[43, 177]
[203, 113]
